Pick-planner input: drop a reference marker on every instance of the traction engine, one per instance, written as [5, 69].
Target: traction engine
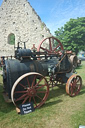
[28, 75]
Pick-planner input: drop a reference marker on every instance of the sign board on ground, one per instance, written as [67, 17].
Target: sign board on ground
[26, 108]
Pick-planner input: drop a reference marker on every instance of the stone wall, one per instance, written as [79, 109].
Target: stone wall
[18, 17]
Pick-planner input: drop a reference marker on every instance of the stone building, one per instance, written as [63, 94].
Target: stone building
[19, 20]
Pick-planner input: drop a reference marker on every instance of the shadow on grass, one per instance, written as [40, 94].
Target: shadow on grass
[57, 91]
[54, 94]
[79, 67]
[5, 107]
[82, 91]
[52, 103]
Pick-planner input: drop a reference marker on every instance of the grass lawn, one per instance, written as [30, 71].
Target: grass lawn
[59, 111]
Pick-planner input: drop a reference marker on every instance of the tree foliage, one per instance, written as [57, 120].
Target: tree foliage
[72, 35]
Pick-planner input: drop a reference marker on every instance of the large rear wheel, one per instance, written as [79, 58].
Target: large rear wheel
[30, 87]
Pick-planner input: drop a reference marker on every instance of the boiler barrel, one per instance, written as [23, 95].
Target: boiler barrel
[15, 68]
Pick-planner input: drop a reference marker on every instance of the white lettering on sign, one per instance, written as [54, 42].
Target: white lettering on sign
[24, 109]
[25, 105]
[28, 107]
[25, 112]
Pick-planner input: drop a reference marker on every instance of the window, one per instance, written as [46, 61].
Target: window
[11, 39]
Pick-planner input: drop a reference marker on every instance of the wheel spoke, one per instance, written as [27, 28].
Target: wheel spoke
[56, 52]
[71, 89]
[45, 49]
[78, 80]
[25, 100]
[56, 47]
[30, 99]
[22, 85]
[50, 44]
[28, 82]
[20, 98]
[39, 82]
[34, 101]
[41, 91]
[38, 97]
[74, 81]
[21, 91]
[77, 85]
[41, 86]
[34, 81]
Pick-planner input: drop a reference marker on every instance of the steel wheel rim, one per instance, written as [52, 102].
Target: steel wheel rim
[33, 92]
[73, 85]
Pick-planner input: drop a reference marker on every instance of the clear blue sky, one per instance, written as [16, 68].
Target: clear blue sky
[55, 13]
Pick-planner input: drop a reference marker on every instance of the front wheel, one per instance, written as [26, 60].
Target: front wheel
[73, 85]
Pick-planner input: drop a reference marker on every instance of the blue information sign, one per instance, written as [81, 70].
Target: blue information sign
[26, 108]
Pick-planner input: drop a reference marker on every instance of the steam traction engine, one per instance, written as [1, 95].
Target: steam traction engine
[28, 76]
